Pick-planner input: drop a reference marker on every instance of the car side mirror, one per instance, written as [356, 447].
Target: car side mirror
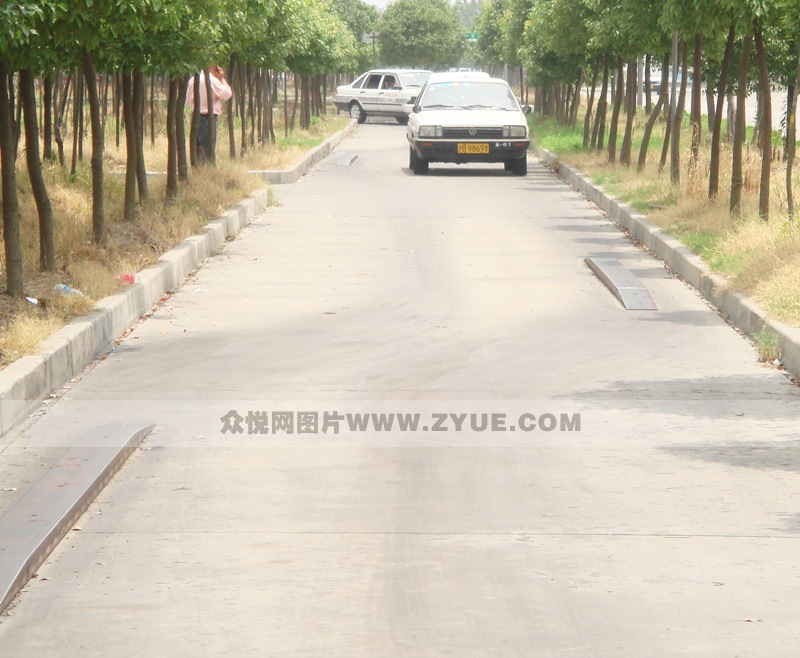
[416, 109]
[527, 109]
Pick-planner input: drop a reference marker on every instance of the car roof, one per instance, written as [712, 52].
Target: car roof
[397, 71]
[457, 76]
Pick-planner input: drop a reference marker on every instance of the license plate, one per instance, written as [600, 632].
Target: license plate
[472, 148]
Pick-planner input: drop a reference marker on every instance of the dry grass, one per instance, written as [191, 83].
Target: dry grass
[25, 331]
[96, 271]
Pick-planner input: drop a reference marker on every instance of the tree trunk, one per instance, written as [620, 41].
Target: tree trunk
[62, 107]
[731, 126]
[598, 132]
[716, 135]
[212, 124]
[737, 176]
[296, 79]
[710, 108]
[587, 121]
[104, 104]
[77, 103]
[240, 96]
[648, 87]
[152, 111]
[263, 105]
[252, 97]
[16, 117]
[697, 98]
[117, 107]
[47, 250]
[675, 147]
[654, 114]
[627, 140]
[285, 105]
[790, 94]
[47, 102]
[128, 111]
[98, 144]
[305, 114]
[272, 95]
[612, 131]
[194, 156]
[172, 146]
[139, 104]
[576, 99]
[11, 229]
[667, 144]
[180, 130]
[766, 124]
[791, 138]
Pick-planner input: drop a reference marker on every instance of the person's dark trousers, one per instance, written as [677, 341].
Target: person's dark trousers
[204, 137]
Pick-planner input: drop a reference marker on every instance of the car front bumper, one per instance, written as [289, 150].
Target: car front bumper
[447, 150]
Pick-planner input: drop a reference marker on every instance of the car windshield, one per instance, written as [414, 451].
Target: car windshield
[414, 78]
[471, 95]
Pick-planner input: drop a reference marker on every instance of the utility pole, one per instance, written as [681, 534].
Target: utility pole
[372, 37]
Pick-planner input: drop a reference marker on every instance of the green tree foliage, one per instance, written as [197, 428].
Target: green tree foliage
[89, 42]
[490, 32]
[421, 33]
[360, 18]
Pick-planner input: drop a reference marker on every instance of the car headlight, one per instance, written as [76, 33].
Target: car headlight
[430, 131]
[515, 131]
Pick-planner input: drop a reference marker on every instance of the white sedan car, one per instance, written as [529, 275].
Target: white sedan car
[381, 92]
[463, 118]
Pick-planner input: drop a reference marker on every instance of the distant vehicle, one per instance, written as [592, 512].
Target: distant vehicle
[380, 93]
[467, 117]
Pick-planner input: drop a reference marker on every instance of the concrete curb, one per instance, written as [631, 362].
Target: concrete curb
[314, 156]
[63, 355]
[741, 312]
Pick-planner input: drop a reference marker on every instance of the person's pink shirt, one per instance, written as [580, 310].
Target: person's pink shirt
[221, 91]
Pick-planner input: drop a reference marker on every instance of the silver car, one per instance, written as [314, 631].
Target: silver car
[381, 92]
[460, 117]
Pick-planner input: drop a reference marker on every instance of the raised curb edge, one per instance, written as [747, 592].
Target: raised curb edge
[741, 311]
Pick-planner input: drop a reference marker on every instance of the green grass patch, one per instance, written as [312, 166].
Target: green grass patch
[707, 246]
[767, 346]
[702, 244]
[547, 134]
[652, 195]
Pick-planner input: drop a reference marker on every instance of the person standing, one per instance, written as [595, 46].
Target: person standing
[220, 91]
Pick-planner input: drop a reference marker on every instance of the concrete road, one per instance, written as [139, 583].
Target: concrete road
[645, 502]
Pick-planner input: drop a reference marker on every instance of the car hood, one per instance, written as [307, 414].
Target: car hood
[484, 118]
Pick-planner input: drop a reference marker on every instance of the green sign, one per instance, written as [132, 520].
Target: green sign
[472, 36]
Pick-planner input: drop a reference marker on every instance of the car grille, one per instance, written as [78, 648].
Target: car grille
[479, 133]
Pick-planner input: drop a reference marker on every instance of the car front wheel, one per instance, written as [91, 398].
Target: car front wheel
[518, 167]
[357, 113]
[415, 163]
[402, 120]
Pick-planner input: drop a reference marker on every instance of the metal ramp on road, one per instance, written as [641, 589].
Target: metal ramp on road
[38, 521]
[632, 293]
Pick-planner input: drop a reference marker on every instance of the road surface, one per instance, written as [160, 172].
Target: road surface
[644, 504]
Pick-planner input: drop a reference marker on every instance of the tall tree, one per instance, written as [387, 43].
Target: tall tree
[19, 22]
[716, 133]
[740, 129]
